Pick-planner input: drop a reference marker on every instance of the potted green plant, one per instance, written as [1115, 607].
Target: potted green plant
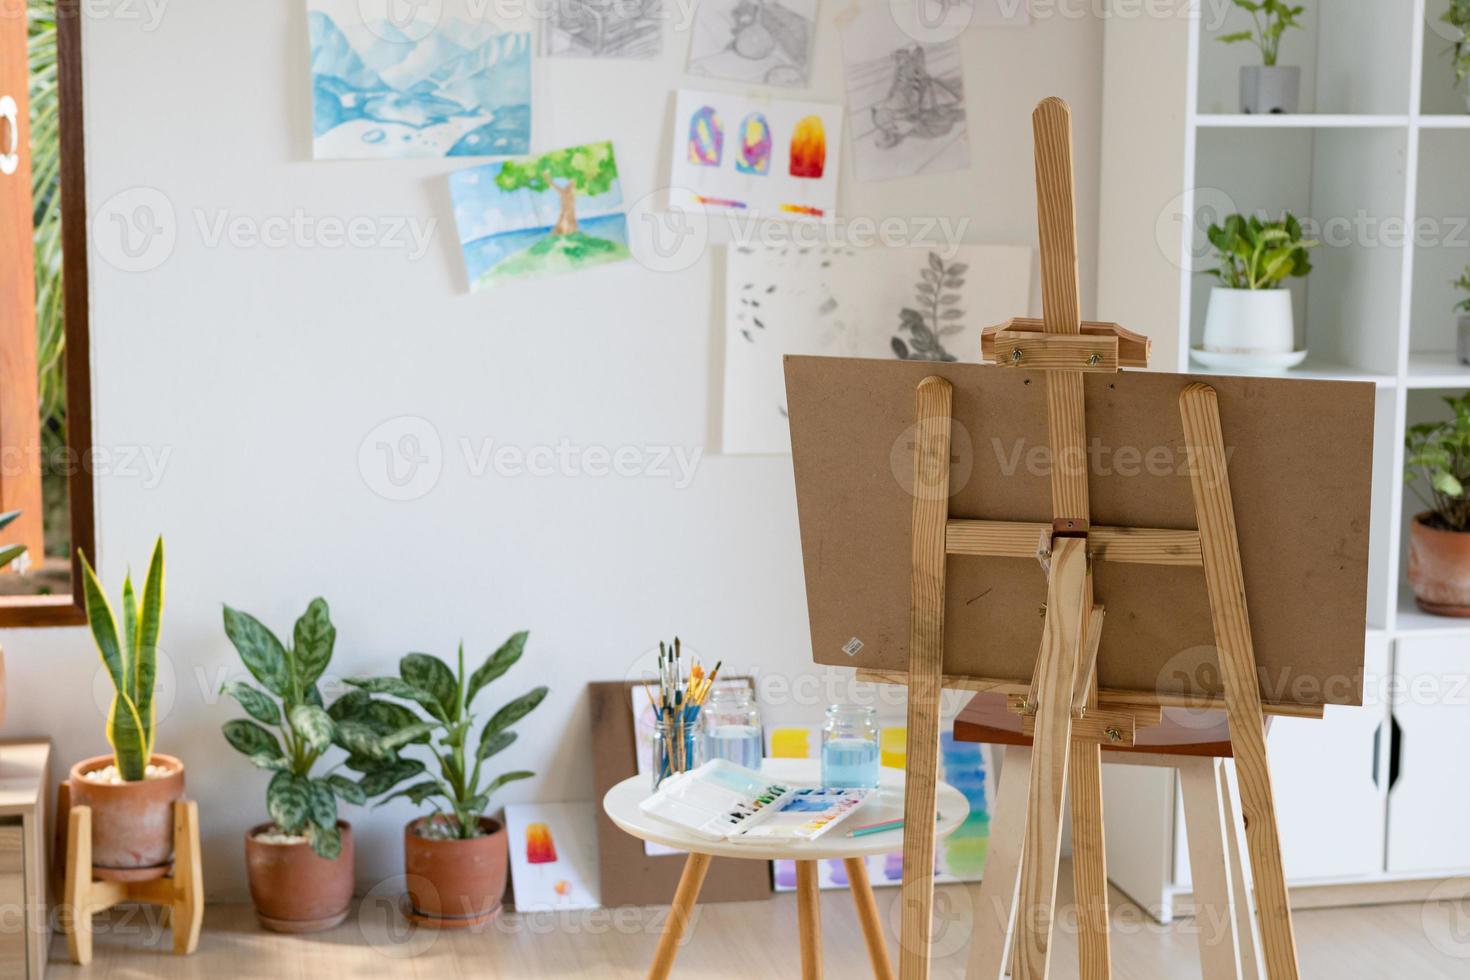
[1463, 308]
[455, 856]
[1268, 88]
[1437, 456]
[300, 862]
[1458, 17]
[1249, 323]
[132, 791]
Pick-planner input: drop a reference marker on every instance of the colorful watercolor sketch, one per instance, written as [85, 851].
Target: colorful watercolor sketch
[438, 89]
[603, 28]
[553, 855]
[556, 212]
[759, 42]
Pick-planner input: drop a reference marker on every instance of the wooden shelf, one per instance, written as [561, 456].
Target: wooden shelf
[1444, 122]
[1311, 370]
[1300, 120]
[1413, 621]
[1436, 369]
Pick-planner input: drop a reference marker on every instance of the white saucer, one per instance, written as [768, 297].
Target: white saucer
[1230, 361]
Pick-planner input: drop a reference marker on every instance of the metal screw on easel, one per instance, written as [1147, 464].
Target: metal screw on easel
[1016, 355]
[1113, 734]
[1094, 359]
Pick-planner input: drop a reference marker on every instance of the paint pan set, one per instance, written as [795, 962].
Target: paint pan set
[723, 801]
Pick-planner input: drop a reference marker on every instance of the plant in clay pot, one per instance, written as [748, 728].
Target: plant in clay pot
[1268, 88]
[1437, 456]
[1249, 323]
[456, 857]
[132, 791]
[300, 864]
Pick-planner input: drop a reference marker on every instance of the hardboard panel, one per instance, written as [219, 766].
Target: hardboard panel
[626, 874]
[1300, 461]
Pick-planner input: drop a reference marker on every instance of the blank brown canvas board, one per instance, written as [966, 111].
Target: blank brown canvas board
[1300, 462]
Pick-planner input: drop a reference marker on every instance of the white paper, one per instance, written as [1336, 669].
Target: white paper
[570, 831]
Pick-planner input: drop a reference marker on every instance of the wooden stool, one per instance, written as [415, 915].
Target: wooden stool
[1195, 743]
[178, 887]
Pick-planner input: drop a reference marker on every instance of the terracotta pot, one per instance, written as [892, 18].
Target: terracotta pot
[132, 823]
[293, 888]
[456, 882]
[1439, 568]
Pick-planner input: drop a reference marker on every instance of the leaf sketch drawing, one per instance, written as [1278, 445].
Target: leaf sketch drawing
[921, 331]
[918, 104]
[766, 42]
[604, 28]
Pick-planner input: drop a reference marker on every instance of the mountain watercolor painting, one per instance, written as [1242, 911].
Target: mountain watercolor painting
[382, 89]
[540, 215]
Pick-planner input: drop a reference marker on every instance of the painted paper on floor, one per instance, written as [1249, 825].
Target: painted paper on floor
[906, 98]
[759, 42]
[424, 86]
[553, 855]
[755, 157]
[556, 212]
[909, 303]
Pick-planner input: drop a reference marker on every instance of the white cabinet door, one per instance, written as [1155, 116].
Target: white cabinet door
[1428, 802]
[1326, 775]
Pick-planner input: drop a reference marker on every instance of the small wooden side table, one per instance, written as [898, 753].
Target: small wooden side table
[621, 804]
[25, 774]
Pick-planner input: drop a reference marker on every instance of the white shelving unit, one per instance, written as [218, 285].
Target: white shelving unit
[1378, 161]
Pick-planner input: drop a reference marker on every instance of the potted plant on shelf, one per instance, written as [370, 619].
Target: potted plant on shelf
[132, 791]
[300, 863]
[1249, 323]
[1463, 308]
[1438, 455]
[1458, 17]
[1268, 88]
[456, 856]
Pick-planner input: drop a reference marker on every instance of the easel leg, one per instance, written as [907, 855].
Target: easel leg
[679, 914]
[809, 919]
[993, 930]
[1225, 583]
[1214, 900]
[926, 663]
[187, 913]
[76, 915]
[1240, 885]
[867, 911]
[1062, 640]
[1089, 861]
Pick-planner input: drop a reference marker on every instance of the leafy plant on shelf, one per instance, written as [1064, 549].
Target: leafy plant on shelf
[1438, 456]
[1256, 254]
[131, 659]
[1272, 19]
[1462, 284]
[301, 803]
[9, 552]
[1458, 17]
[445, 697]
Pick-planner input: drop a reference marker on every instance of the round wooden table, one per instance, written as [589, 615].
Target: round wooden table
[621, 804]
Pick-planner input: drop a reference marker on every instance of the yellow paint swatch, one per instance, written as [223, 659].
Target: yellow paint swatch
[791, 743]
[893, 747]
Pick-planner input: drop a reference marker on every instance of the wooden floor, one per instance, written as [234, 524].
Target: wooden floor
[733, 941]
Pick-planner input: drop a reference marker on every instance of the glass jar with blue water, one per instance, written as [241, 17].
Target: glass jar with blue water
[732, 727]
[850, 747]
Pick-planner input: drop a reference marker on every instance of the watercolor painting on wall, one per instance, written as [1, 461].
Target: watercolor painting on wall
[535, 216]
[906, 99]
[910, 303]
[603, 28]
[758, 42]
[755, 157]
[431, 87]
[553, 855]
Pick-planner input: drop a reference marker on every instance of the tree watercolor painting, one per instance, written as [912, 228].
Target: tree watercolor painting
[388, 88]
[540, 215]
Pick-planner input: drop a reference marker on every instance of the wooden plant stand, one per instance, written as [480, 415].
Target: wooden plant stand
[87, 890]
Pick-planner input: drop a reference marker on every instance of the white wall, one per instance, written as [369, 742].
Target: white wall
[261, 371]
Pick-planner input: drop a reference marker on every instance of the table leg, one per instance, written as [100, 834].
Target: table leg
[867, 910]
[679, 913]
[809, 920]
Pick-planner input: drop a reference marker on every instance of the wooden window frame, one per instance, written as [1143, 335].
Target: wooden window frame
[69, 610]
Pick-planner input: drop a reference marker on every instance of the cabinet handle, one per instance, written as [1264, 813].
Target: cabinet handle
[1377, 747]
[1395, 752]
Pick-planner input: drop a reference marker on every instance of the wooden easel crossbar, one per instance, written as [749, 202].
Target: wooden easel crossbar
[1067, 714]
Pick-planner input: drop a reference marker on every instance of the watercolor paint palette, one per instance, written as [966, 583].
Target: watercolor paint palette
[723, 801]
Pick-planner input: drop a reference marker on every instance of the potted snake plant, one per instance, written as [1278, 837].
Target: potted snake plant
[132, 791]
[455, 857]
[300, 862]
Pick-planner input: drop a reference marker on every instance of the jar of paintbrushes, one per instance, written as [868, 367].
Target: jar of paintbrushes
[676, 707]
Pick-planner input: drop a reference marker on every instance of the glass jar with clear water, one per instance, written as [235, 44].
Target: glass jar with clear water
[850, 747]
[731, 727]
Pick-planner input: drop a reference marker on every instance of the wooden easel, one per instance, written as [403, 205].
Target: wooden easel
[87, 890]
[1063, 707]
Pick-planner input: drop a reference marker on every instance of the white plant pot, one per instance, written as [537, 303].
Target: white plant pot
[1249, 321]
[1270, 91]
